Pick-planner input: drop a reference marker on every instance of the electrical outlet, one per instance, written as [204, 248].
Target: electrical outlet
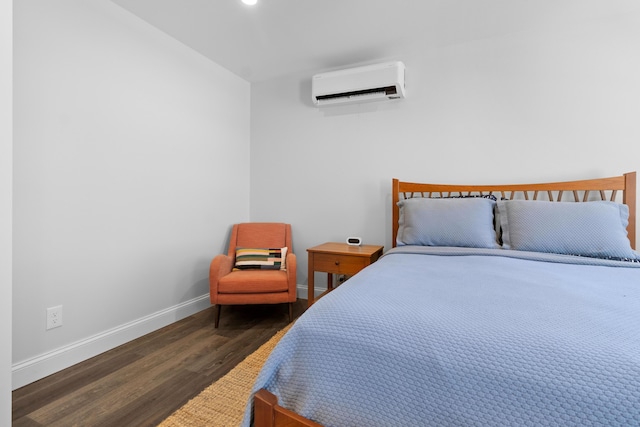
[54, 317]
[342, 278]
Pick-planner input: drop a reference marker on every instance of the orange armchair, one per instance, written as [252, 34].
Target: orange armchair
[228, 286]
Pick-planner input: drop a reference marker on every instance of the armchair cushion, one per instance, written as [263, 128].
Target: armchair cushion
[254, 281]
[261, 258]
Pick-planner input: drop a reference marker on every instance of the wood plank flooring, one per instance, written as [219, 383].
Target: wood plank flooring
[144, 381]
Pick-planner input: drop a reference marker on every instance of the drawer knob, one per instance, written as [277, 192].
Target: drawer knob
[337, 262]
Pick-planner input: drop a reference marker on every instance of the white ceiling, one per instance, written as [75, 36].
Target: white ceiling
[278, 37]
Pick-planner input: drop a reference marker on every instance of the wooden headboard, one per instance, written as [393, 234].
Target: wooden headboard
[570, 191]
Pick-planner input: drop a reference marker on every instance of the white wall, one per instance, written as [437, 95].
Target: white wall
[6, 129]
[540, 106]
[130, 165]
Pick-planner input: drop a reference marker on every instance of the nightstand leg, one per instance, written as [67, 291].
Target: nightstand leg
[310, 286]
[329, 281]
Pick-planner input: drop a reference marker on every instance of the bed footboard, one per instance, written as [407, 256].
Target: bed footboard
[267, 413]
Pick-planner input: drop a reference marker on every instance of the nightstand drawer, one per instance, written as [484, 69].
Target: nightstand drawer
[338, 258]
[339, 264]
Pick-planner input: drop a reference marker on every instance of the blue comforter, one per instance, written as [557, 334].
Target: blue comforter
[467, 337]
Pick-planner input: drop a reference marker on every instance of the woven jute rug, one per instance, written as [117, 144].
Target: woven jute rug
[222, 404]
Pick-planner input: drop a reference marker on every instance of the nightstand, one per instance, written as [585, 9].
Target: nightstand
[339, 258]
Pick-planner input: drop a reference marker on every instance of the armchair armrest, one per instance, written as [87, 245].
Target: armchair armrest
[220, 266]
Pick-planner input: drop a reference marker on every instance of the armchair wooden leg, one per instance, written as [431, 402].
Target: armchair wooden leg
[290, 312]
[217, 315]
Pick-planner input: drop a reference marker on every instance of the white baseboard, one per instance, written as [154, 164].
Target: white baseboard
[38, 367]
[303, 291]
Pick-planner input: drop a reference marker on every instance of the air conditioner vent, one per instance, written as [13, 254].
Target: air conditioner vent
[385, 91]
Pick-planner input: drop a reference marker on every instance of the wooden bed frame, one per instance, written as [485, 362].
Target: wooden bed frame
[267, 412]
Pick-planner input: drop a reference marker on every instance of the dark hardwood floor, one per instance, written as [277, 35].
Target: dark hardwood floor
[144, 381]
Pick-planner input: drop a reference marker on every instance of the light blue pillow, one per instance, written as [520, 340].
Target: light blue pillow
[594, 229]
[462, 222]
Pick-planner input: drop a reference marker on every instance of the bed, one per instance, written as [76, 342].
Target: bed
[497, 305]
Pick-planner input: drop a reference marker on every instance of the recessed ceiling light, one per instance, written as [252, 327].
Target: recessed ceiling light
[250, 2]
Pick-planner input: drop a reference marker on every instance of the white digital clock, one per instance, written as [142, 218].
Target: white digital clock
[354, 241]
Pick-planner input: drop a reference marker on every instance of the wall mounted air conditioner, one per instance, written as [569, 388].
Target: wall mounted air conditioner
[361, 84]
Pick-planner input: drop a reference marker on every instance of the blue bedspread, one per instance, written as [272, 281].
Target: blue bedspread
[467, 339]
